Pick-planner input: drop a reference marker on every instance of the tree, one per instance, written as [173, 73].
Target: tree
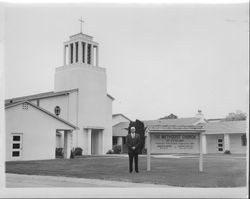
[238, 115]
[140, 129]
[171, 116]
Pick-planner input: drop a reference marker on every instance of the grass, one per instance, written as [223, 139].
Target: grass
[219, 170]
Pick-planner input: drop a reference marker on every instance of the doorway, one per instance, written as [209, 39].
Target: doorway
[17, 142]
[96, 142]
[220, 144]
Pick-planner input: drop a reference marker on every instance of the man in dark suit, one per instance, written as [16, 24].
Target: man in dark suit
[133, 142]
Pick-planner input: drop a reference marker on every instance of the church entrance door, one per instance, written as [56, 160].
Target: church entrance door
[96, 142]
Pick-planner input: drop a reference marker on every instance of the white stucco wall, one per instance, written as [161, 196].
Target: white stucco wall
[236, 145]
[93, 108]
[51, 102]
[69, 109]
[91, 82]
[107, 134]
[182, 145]
[38, 130]
[212, 144]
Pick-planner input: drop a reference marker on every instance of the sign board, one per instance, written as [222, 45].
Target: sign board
[175, 143]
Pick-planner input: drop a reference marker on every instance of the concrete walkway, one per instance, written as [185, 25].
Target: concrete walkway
[109, 189]
[20, 181]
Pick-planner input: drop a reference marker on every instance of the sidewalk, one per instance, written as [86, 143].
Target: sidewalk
[136, 189]
[20, 181]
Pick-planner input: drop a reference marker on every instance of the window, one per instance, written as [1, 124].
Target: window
[25, 106]
[57, 110]
[114, 140]
[71, 53]
[243, 140]
[220, 144]
[16, 146]
[83, 52]
[76, 51]
[89, 54]
[16, 153]
[16, 138]
[220, 140]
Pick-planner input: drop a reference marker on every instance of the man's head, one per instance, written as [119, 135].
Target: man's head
[132, 129]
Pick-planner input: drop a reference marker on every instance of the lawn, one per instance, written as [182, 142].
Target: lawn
[219, 171]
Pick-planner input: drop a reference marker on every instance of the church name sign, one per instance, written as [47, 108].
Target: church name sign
[176, 141]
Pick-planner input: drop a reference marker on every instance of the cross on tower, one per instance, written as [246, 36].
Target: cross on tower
[81, 21]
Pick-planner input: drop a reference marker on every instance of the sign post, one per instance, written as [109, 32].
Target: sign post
[201, 155]
[180, 131]
[148, 150]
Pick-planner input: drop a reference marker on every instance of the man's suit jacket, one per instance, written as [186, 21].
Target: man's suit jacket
[133, 142]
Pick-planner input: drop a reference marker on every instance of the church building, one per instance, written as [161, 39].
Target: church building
[78, 113]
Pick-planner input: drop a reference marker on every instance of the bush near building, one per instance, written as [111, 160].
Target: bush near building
[59, 152]
[117, 149]
[78, 151]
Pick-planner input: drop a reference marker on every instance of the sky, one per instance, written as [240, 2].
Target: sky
[160, 59]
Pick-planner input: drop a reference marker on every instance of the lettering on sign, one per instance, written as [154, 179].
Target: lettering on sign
[174, 141]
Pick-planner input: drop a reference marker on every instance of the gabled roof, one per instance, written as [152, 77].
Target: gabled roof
[215, 120]
[45, 111]
[176, 129]
[42, 95]
[226, 127]
[120, 114]
[178, 121]
[120, 129]
[38, 96]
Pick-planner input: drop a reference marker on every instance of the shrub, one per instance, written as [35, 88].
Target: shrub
[59, 151]
[78, 151]
[117, 149]
[144, 151]
[72, 154]
[227, 152]
[110, 151]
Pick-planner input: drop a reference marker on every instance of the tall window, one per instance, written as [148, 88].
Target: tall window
[89, 54]
[220, 144]
[71, 53]
[76, 51]
[243, 140]
[83, 52]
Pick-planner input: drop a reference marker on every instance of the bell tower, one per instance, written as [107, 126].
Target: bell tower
[91, 110]
[80, 49]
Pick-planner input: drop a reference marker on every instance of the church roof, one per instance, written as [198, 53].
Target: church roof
[226, 127]
[43, 110]
[176, 128]
[178, 121]
[38, 96]
[120, 129]
[42, 95]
